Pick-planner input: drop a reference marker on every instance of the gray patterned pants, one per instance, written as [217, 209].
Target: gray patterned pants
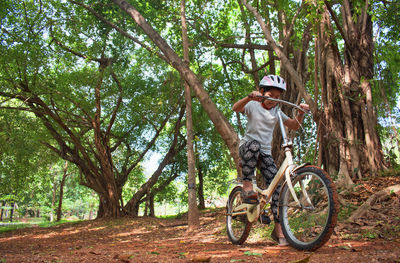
[251, 155]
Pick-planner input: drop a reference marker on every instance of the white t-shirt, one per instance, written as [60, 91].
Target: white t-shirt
[260, 124]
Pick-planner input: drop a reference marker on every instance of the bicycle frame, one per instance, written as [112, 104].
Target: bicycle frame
[285, 171]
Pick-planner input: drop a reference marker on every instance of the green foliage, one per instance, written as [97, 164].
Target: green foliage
[387, 61]
[20, 151]
[31, 33]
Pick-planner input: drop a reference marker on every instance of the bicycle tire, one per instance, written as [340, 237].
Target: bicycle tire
[238, 227]
[310, 226]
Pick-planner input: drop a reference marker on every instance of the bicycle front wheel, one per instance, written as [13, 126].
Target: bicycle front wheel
[237, 226]
[309, 225]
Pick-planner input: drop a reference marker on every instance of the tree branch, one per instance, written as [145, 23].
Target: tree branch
[245, 69]
[150, 144]
[45, 110]
[166, 160]
[15, 108]
[339, 27]
[76, 53]
[114, 114]
[364, 17]
[234, 45]
[290, 29]
[120, 30]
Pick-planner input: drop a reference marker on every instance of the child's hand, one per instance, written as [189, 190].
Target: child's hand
[253, 95]
[305, 107]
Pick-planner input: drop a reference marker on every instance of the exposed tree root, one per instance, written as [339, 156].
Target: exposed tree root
[378, 196]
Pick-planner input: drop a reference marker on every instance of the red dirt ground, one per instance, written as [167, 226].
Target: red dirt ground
[375, 238]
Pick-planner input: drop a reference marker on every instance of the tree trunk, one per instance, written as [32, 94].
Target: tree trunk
[12, 211]
[3, 203]
[193, 213]
[53, 199]
[109, 205]
[202, 203]
[91, 213]
[151, 205]
[147, 203]
[61, 193]
[160, 188]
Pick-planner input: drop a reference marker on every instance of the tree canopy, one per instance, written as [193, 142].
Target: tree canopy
[100, 84]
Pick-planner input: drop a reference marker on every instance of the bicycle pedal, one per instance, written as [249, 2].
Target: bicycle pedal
[264, 219]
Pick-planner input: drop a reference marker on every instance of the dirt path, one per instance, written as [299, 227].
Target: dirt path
[373, 238]
[161, 240]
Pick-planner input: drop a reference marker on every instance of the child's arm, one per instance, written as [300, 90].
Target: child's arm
[294, 124]
[239, 105]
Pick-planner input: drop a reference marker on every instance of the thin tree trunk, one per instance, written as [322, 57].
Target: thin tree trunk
[151, 206]
[53, 199]
[147, 204]
[202, 203]
[12, 211]
[3, 203]
[159, 189]
[61, 193]
[193, 213]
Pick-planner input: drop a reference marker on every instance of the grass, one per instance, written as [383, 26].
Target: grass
[346, 211]
[177, 216]
[181, 215]
[261, 231]
[37, 222]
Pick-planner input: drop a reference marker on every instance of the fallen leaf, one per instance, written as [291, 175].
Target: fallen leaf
[123, 258]
[201, 259]
[304, 260]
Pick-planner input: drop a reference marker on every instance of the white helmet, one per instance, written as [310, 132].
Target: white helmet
[273, 81]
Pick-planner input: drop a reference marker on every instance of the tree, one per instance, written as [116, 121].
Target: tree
[345, 81]
[78, 95]
[348, 79]
[193, 213]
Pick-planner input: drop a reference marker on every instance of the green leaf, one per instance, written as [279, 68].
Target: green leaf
[250, 253]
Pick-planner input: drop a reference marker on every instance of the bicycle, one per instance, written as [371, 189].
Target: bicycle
[308, 201]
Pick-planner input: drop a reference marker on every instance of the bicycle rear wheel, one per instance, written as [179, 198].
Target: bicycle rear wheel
[310, 225]
[237, 226]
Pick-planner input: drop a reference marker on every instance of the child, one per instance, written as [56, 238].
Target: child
[262, 115]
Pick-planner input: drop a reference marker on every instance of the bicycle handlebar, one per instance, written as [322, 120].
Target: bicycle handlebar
[284, 102]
